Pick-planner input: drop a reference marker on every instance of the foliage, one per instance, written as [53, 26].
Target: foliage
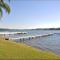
[4, 6]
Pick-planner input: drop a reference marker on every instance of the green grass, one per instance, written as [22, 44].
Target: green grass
[13, 51]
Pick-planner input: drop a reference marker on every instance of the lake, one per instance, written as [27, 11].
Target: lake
[49, 42]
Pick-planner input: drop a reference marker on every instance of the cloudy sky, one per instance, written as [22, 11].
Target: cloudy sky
[26, 14]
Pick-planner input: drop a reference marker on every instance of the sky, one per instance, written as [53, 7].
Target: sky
[30, 14]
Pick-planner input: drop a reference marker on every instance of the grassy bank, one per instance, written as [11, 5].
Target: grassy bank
[12, 50]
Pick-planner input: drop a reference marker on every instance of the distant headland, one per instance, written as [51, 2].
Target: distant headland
[7, 29]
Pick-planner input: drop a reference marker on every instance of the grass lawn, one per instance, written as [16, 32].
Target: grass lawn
[13, 51]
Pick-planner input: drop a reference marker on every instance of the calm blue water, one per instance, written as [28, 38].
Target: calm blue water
[33, 33]
[51, 42]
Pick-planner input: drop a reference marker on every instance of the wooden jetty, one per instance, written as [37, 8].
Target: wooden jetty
[22, 39]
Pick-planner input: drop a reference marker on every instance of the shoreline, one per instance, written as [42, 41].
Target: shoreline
[13, 48]
[23, 41]
[41, 48]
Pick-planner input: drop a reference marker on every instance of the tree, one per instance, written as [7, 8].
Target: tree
[4, 6]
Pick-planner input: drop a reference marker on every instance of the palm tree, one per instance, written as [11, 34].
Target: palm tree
[4, 6]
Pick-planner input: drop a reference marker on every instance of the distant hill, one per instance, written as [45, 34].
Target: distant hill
[6, 29]
[48, 29]
[3, 29]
